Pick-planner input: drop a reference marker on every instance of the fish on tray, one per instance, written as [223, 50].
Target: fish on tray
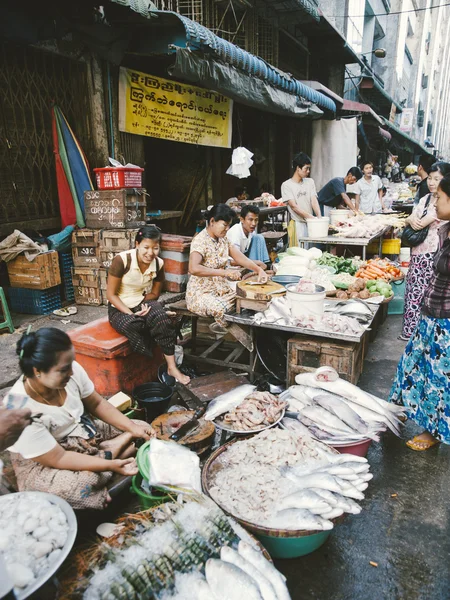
[257, 411]
[228, 401]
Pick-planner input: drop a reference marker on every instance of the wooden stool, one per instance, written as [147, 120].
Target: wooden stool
[8, 322]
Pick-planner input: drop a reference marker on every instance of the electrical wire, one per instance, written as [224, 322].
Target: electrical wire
[387, 14]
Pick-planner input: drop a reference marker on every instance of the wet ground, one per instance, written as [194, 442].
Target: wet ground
[404, 526]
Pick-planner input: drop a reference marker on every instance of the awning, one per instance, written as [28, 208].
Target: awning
[351, 107]
[375, 94]
[319, 87]
[406, 142]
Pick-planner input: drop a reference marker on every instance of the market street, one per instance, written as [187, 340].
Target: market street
[407, 535]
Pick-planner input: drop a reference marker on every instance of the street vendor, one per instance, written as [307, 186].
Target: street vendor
[300, 194]
[135, 282]
[369, 194]
[208, 292]
[76, 440]
[244, 237]
[334, 192]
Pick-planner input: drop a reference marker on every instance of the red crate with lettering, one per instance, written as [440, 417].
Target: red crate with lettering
[113, 178]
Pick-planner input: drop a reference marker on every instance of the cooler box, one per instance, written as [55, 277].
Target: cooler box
[109, 361]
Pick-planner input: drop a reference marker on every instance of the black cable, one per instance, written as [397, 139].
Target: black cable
[399, 12]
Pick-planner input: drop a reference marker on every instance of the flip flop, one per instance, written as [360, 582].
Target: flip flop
[424, 444]
[66, 311]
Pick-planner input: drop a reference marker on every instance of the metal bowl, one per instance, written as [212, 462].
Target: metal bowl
[286, 279]
[221, 425]
[71, 535]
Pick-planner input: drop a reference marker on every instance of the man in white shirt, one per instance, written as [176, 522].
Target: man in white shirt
[243, 236]
[369, 197]
[300, 194]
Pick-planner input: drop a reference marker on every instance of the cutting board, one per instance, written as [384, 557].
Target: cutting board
[200, 439]
[259, 292]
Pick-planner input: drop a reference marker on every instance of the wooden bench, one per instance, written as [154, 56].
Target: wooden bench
[236, 349]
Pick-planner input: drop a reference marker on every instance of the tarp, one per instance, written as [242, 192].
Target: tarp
[230, 82]
[334, 149]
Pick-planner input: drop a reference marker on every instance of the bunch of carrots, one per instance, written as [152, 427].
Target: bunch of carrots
[378, 269]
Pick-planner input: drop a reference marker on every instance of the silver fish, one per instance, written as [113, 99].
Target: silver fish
[295, 425]
[201, 590]
[333, 513]
[228, 401]
[325, 419]
[301, 519]
[314, 480]
[338, 500]
[266, 568]
[341, 409]
[305, 499]
[266, 590]
[228, 582]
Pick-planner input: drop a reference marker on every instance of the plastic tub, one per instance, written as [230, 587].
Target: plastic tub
[318, 227]
[154, 398]
[147, 500]
[302, 304]
[338, 215]
[358, 449]
[292, 547]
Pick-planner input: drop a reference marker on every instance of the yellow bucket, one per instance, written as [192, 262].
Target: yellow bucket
[389, 247]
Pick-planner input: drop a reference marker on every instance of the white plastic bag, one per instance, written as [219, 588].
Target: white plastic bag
[173, 465]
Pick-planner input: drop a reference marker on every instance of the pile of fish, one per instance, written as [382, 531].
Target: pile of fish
[258, 411]
[335, 411]
[280, 480]
[279, 313]
[354, 308]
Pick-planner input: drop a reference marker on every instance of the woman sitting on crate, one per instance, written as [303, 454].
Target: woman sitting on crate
[208, 292]
[135, 281]
[76, 440]
[421, 266]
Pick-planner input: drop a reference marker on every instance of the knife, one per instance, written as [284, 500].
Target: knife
[189, 425]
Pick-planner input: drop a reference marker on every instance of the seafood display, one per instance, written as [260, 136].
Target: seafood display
[228, 401]
[258, 411]
[178, 551]
[336, 411]
[281, 479]
[33, 531]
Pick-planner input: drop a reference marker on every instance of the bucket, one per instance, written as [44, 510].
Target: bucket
[147, 500]
[154, 398]
[318, 227]
[338, 215]
[357, 449]
[293, 547]
[392, 246]
[305, 305]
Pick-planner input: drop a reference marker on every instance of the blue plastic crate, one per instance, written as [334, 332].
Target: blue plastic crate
[66, 263]
[34, 302]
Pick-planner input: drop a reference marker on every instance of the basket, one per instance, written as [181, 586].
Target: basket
[112, 178]
[34, 302]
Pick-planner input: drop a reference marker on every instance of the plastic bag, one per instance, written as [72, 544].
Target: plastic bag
[173, 466]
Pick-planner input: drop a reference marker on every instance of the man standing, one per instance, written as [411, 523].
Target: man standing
[334, 192]
[422, 170]
[300, 194]
[243, 236]
[369, 197]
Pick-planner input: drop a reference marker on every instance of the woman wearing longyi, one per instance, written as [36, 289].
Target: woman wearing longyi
[76, 440]
[208, 292]
[135, 281]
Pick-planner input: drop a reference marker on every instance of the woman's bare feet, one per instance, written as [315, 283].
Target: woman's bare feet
[117, 445]
[424, 441]
[179, 376]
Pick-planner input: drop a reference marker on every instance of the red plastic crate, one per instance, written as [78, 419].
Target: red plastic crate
[112, 178]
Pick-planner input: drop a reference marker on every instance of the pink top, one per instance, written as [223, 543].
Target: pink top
[431, 243]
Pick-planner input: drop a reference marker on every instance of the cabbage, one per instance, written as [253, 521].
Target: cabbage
[314, 253]
[296, 251]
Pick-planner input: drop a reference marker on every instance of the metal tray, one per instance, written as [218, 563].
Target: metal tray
[222, 426]
[71, 535]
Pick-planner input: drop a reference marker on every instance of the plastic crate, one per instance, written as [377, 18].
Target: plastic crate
[34, 302]
[66, 263]
[110, 178]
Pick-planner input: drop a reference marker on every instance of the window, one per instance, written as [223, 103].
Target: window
[355, 24]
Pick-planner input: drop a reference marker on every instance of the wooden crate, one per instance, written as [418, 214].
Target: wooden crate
[114, 241]
[39, 274]
[86, 285]
[307, 353]
[103, 274]
[86, 248]
[115, 209]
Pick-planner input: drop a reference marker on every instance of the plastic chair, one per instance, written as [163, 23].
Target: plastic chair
[8, 322]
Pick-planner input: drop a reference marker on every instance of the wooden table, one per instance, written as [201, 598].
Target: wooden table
[165, 215]
[332, 240]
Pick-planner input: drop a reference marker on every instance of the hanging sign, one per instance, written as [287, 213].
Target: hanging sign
[169, 110]
[406, 122]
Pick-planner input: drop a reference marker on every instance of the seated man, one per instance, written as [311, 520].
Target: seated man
[243, 237]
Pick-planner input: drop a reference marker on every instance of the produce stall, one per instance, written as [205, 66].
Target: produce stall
[331, 241]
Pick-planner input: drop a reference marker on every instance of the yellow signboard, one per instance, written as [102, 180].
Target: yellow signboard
[169, 110]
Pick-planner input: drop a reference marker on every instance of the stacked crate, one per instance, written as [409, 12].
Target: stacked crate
[175, 253]
[113, 218]
[35, 286]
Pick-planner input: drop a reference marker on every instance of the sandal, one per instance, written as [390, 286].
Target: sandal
[420, 445]
[66, 312]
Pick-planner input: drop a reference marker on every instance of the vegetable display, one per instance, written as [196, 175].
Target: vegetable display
[341, 264]
[379, 269]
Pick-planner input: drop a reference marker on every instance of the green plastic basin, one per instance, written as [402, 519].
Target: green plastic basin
[147, 500]
[292, 547]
